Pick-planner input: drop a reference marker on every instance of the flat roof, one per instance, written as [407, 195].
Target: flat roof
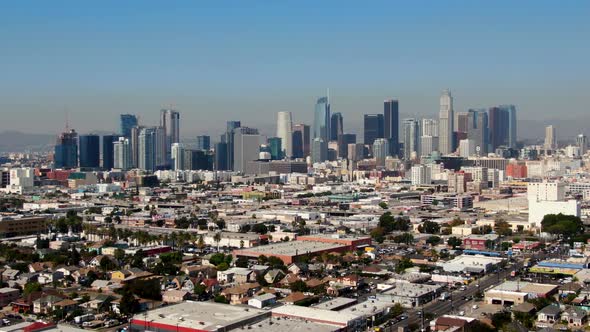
[525, 287]
[335, 303]
[410, 290]
[275, 324]
[315, 314]
[290, 248]
[208, 316]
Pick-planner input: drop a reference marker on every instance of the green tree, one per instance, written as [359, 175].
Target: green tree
[433, 240]
[560, 224]
[404, 264]
[383, 205]
[129, 304]
[502, 227]
[221, 299]
[106, 264]
[454, 242]
[298, 286]
[429, 227]
[260, 228]
[32, 287]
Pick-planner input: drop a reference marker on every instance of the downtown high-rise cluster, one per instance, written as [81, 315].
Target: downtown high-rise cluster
[244, 149]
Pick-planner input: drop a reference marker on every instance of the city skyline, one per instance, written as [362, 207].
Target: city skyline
[226, 63]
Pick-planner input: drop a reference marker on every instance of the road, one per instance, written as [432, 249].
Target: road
[439, 308]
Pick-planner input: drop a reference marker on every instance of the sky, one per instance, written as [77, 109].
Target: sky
[246, 60]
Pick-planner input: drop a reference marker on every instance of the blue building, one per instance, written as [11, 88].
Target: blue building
[128, 121]
[66, 150]
[89, 151]
[108, 153]
[203, 142]
[276, 149]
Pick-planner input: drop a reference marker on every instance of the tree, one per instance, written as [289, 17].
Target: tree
[260, 228]
[378, 234]
[502, 227]
[429, 227]
[199, 289]
[242, 261]
[217, 239]
[433, 240]
[298, 286]
[560, 224]
[129, 304]
[383, 205]
[454, 242]
[404, 264]
[201, 242]
[220, 223]
[119, 255]
[390, 223]
[221, 299]
[406, 238]
[32, 287]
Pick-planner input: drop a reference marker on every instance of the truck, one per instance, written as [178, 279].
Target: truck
[83, 318]
[443, 296]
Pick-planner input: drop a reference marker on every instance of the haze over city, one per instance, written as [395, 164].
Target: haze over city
[238, 60]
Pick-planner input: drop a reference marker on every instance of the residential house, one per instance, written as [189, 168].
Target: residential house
[262, 301]
[118, 276]
[240, 293]
[44, 305]
[297, 268]
[548, 315]
[274, 276]
[48, 277]
[238, 275]
[574, 316]
[100, 303]
[66, 305]
[294, 298]
[101, 285]
[10, 274]
[175, 296]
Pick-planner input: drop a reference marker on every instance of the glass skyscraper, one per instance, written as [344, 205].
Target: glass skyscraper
[203, 142]
[391, 125]
[321, 126]
[128, 121]
[89, 151]
[66, 150]
[108, 151]
[373, 128]
[276, 149]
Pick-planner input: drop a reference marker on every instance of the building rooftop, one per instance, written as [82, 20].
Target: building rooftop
[275, 324]
[525, 287]
[410, 290]
[291, 248]
[315, 314]
[335, 303]
[206, 316]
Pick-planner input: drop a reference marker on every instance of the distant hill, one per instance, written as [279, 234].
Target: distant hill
[15, 141]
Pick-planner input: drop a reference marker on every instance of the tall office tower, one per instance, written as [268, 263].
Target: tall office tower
[122, 154]
[462, 122]
[89, 151]
[170, 122]
[373, 127]
[128, 121]
[285, 132]
[391, 125]
[246, 147]
[229, 139]
[380, 151]
[445, 125]
[428, 144]
[582, 143]
[197, 160]
[162, 149]
[343, 141]
[66, 150]
[221, 156]
[499, 123]
[203, 142]
[550, 138]
[107, 151]
[134, 140]
[420, 174]
[147, 146]
[319, 150]
[512, 128]
[478, 130]
[177, 155]
[336, 126]
[276, 148]
[429, 127]
[466, 148]
[301, 141]
[321, 124]
[411, 132]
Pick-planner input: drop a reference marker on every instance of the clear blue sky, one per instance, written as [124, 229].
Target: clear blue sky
[246, 60]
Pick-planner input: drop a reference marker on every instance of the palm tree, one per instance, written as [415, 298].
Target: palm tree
[217, 238]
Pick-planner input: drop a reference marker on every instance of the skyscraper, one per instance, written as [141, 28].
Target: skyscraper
[343, 141]
[229, 139]
[499, 122]
[512, 126]
[550, 138]
[582, 143]
[170, 122]
[373, 127]
[203, 142]
[380, 151]
[108, 152]
[122, 154]
[276, 148]
[478, 130]
[147, 148]
[128, 121]
[301, 141]
[66, 150]
[246, 147]
[134, 141]
[336, 126]
[319, 150]
[89, 151]
[391, 125]
[411, 132]
[285, 132]
[177, 155]
[321, 124]
[429, 127]
[446, 119]
[221, 156]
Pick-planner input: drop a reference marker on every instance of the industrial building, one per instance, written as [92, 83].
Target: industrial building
[291, 251]
[517, 292]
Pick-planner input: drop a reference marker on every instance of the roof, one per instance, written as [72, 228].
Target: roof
[524, 307]
[264, 297]
[550, 310]
[314, 314]
[206, 316]
[290, 248]
[295, 297]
